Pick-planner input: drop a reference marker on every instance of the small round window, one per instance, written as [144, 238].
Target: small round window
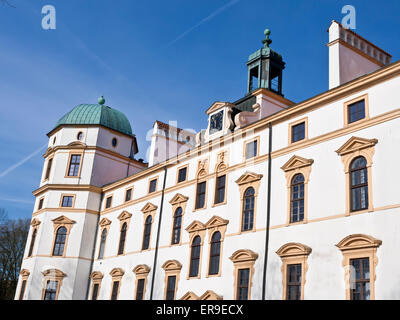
[80, 135]
[114, 142]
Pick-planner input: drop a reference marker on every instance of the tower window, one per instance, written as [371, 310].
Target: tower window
[114, 142]
[253, 79]
[49, 163]
[74, 164]
[67, 201]
[40, 206]
[79, 135]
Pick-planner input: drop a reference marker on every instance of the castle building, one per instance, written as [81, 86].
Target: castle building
[272, 200]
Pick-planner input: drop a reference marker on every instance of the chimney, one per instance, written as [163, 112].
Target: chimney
[351, 56]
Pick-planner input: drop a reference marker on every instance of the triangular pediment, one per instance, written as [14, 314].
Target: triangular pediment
[216, 221]
[124, 215]
[355, 144]
[63, 220]
[218, 105]
[195, 226]
[296, 162]
[25, 273]
[248, 177]
[210, 295]
[190, 296]
[104, 222]
[178, 198]
[35, 222]
[149, 207]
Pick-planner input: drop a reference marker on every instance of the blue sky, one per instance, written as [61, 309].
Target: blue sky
[164, 60]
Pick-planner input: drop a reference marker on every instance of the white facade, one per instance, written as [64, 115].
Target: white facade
[316, 243]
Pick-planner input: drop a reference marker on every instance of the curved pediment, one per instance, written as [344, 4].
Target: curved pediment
[171, 265]
[195, 226]
[243, 255]
[24, 273]
[149, 207]
[178, 198]
[248, 177]
[141, 269]
[356, 144]
[296, 162]
[54, 273]
[76, 145]
[96, 275]
[358, 241]
[293, 249]
[117, 272]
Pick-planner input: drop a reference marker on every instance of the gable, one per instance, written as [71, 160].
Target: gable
[355, 144]
[296, 162]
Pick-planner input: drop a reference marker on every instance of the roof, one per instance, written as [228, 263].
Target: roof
[97, 114]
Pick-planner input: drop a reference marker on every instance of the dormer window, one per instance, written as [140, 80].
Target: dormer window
[216, 121]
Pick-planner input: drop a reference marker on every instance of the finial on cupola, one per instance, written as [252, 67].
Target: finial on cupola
[101, 100]
[267, 41]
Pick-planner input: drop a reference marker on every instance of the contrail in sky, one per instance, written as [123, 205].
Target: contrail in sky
[22, 161]
[209, 17]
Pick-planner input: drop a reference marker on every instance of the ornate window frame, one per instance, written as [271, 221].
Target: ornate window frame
[293, 253]
[359, 246]
[148, 210]
[221, 170]
[104, 224]
[243, 259]
[201, 176]
[52, 275]
[97, 278]
[292, 167]
[171, 268]
[59, 222]
[35, 227]
[213, 225]
[141, 271]
[116, 275]
[177, 201]
[245, 181]
[353, 148]
[124, 217]
[196, 228]
[24, 273]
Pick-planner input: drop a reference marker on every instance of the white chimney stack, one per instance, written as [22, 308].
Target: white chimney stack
[351, 56]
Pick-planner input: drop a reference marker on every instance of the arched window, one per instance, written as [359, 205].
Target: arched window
[248, 209]
[102, 243]
[195, 257]
[215, 252]
[176, 230]
[297, 198]
[32, 242]
[122, 239]
[59, 244]
[358, 184]
[146, 233]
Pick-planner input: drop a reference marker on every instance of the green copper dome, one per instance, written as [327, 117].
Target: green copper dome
[97, 114]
